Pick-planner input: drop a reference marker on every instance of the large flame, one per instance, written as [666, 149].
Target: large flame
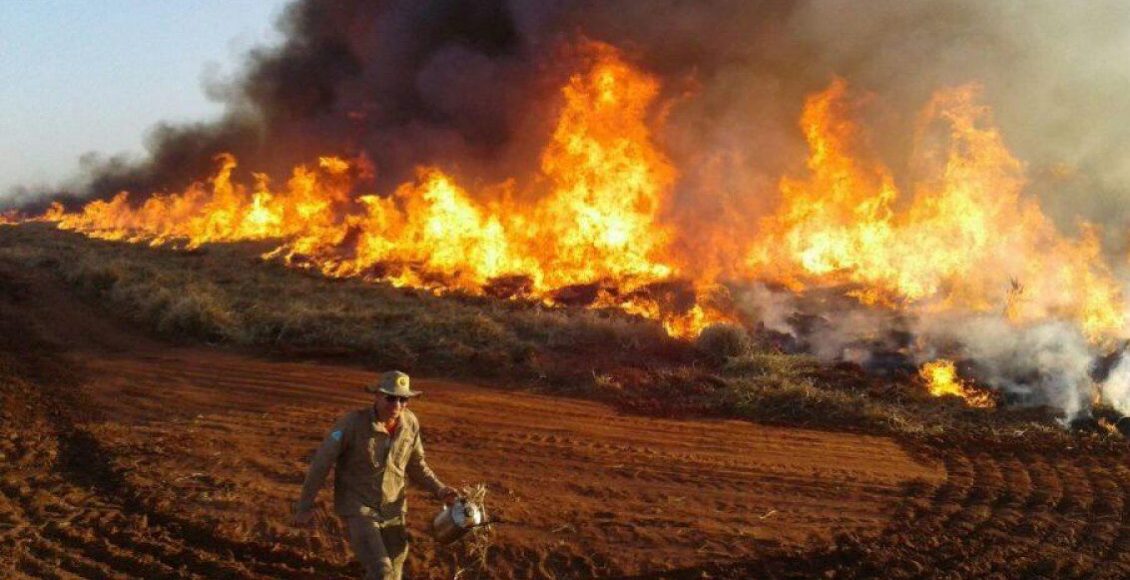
[597, 221]
[601, 185]
[967, 239]
[590, 216]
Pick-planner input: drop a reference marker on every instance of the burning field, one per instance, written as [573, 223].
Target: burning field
[674, 221]
[952, 262]
[968, 249]
[156, 432]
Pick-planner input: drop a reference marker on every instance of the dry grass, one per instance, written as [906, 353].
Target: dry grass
[472, 552]
[722, 342]
[226, 294]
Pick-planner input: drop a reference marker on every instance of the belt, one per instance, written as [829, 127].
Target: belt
[381, 521]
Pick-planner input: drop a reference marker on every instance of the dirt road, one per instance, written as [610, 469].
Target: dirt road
[584, 488]
[127, 457]
[186, 460]
[138, 458]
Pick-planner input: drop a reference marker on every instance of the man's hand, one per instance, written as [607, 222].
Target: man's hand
[448, 495]
[303, 519]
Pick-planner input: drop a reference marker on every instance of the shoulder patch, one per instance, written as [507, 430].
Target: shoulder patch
[336, 435]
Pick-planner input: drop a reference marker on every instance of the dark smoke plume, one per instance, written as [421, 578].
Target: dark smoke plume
[399, 82]
[473, 86]
[470, 85]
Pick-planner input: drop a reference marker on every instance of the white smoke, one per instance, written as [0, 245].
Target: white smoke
[1116, 389]
[771, 309]
[1040, 364]
[1049, 363]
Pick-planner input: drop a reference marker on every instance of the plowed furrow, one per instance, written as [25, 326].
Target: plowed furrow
[60, 558]
[239, 383]
[1115, 561]
[1102, 518]
[640, 439]
[271, 561]
[1070, 517]
[185, 560]
[1004, 545]
[242, 388]
[34, 567]
[1040, 521]
[666, 468]
[122, 535]
[118, 558]
[951, 498]
[976, 522]
[93, 550]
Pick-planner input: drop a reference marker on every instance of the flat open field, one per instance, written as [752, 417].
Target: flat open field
[125, 456]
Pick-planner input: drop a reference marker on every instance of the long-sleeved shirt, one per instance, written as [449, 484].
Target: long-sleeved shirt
[371, 466]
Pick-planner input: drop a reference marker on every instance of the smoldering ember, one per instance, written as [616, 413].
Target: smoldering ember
[690, 289]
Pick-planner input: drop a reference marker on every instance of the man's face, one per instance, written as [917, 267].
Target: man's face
[389, 406]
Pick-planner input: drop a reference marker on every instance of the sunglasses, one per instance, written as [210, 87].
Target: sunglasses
[396, 399]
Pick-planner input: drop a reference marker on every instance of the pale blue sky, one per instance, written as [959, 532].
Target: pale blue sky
[94, 75]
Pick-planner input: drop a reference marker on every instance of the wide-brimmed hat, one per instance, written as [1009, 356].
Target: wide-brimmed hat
[393, 383]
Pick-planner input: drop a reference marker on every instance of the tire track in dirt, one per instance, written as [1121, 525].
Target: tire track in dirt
[1004, 510]
[130, 540]
[54, 517]
[66, 508]
[625, 485]
[191, 458]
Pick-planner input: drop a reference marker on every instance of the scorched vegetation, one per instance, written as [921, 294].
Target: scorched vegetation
[227, 295]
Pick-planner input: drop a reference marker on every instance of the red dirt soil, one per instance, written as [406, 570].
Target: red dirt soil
[185, 461]
[128, 457]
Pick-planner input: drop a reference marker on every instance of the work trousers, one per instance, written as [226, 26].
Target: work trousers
[381, 547]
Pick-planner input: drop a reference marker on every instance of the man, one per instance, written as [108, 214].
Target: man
[373, 449]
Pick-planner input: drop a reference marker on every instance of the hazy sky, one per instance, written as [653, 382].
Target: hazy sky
[94, 75]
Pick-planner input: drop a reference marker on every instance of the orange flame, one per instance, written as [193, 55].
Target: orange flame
[591, 212]
[964, 236]
[596, 222]
[942, 380]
